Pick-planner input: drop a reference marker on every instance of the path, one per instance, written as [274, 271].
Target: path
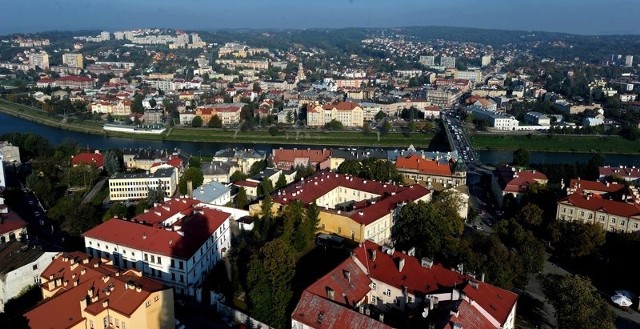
[94, 190]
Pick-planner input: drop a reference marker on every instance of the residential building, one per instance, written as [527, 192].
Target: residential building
[486, 60]
[537, 118]
[486, 104]
[629, 174]
[122, 108]
[448, 62]
[95, 159]
[85, 292]
[338, 156]
[12, 226]
[250, 186]
[474, 76]
[125, 186]
[244, 158]
[213, 193]
[9, 153]
[3, 180]
[427, 61]
[508, 180]
[145, 159]
[291, 158]
[70, 81]
[351, 207]
[439, 171]
[72, 60]
[219, 171]
[444, 97]
[350, 114]
[431, 112]
[496, 120]
[39, 59]
[628, 61]
[377, 280]
[177, 242]
[154, 116]
[20, 267]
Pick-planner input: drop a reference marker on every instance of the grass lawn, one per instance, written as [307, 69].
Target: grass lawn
[555, 143]
[33, 114]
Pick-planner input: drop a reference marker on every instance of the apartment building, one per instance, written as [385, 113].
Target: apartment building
[86, 292]
[352, 207]
[177, 242]
[350, 114]
[496, 120]
[39, 59]
[126, 186]
[432, 171]
[72, 60]
[243, 159]
[377, 280]
[629, 174]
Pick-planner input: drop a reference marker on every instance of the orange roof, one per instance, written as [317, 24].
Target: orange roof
[88, 158]
[597, 203]
[80, 274]
[424, 166]
[317, 312]
[341, 106]
[592, 186]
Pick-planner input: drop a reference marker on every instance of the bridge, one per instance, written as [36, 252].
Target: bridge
[459, 141]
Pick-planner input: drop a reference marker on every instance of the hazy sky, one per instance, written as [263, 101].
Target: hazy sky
[574, 16]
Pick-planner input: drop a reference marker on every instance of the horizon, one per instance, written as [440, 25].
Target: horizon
[587, 17]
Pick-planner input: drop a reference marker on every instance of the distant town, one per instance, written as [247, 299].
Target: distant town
[371, 209]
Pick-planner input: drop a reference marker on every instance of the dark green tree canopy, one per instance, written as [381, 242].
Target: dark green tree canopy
[521, 157]
[190, 174]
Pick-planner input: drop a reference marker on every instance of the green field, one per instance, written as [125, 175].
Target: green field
[35, 115]
[555, 143]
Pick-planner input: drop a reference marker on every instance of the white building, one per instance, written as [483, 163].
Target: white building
[537, 118]
[486, 60]
[447, 61]
[177, 242]
[213, 193]
[124, 186]
[427, 61]
[628, 61]
[39, 59]
[72, 60]
[497, 120]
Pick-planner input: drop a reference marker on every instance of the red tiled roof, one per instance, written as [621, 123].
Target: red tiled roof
[246, 183]
[229, 109]
[12, 221]
[388, 203]
[197, 228]
[518, 181]
[96, 159]
[417, 279]
[592, 186]
[75, 78]
[596, 203]
[63, 309]
[468, 317]
[417, 163]
[174, 161]
[346, 291]
[290, 155]
[168, 209]
[496, 301]
[621, 171]
[317, 312]
[341, 106]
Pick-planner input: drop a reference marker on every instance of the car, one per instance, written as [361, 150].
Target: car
[179, 325]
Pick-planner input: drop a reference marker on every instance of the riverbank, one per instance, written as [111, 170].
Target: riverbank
[188, 134]
[556, 143]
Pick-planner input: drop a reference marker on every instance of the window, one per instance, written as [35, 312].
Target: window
[613, 220]
[173, 263]
[374, 300]
[156, 298]
[159, 260]
[124, 325]
[410, 300]
[153, 259]
[148, 303]
[388, 292]
[35, 267]
[635, 225]
[180, 264]
[373, 286]
[117, 323]
[146, 257]
[621, 222]
[91, 324]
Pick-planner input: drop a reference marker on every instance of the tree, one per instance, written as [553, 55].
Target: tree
[241, 201]
[237, 176]
[196, 122]
[350, 167]
[521, 157]
[266, 207]
[281, 182]
[575, 239]
[576, 302]
[427, 226]
[195, 162]
[366, 128]
[530, 215]
[41, 187]
[111, 162]
[334, 125]
[380, 115]
[153, 103]
[265, 187]
[80, 219]
[257, 167]
[304, 171]
[136, 105]
[381, 170]
[269, 278]
[386, 127]
[193, 175]
[215, 122]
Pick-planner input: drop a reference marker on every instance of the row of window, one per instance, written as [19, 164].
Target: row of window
[153, 182]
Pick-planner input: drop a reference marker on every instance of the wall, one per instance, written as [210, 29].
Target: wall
[14, 281]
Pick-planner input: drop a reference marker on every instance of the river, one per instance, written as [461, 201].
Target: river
[57, 136]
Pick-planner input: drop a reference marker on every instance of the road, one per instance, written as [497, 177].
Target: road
[96, 188]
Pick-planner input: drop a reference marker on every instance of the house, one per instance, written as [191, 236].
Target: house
[86, 292]
[351, 207]
[250, 186]
[537, 118]
[20, 267]
[441, 171]
[629, 174]
[244, 158]
[219, 171]
[292, 158]
[378, 280]
[177, 242]
[431, 112]
[12, 226]
[213, 193]
[136, 186]
[95, 159]
[486, 104]
[350, 114]
[339, 155]
[9, 153]
[510, 180]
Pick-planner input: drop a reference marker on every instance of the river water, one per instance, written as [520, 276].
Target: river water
[57, 136]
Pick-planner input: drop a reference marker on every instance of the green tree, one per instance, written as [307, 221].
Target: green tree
[111, 162]
[350, 167]
[136, 105]
[530, 215]
[195, 162]
[334, 125]
[41, 187]
[380, 115]
[215, 122]
[80, 219]
[266, 206]
[82, 175]
[196, 122]
[153, 103]
[521, 157]
[281, 182]
[381, 170]
[269, 278]
[306, 231]
[194, 175]
[304, 171]
[575, 239]
[238, 176]
[257, 167]
[241, 201]
[386, 127]
[577, 303]
[265, 187]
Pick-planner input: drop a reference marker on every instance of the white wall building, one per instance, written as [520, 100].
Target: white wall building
[123, 186]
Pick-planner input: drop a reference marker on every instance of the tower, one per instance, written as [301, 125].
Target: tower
[301, 76]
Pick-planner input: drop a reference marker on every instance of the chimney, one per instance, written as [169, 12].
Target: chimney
[105, 303]
[400, 264]
[381, 318]
[90, 292]
[144, 236]
[347, 275]
[330, 293]
[373, 255]
[190, 189]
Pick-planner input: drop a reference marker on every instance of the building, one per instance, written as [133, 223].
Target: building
[350, 114]
[250, 186]
[486, 104]
[125, 186]
[244, 158]
[291, 158]
[12, 226]
[9, 153]
[20, 267]
[70, 81]
[154, 116]
[628, 61]
[496, 120]
[510, 180]
[629, 174]
[444, 97]
[72, 60]
[145, 159]
[486, 60]
[601, 203]
[377, 280]
[436, 171]
[3, 180]
[213, 193]
[95, 159]
[351, 207]
[448, 62]
[85, 292]
[39, 59]
[219, 171]
[427, 61]
[537, 118]
[177, 242]
[474, 76]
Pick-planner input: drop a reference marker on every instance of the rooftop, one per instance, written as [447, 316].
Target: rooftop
[159, 173]
[15, 254]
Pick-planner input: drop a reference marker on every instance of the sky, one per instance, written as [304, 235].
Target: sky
[571, 16]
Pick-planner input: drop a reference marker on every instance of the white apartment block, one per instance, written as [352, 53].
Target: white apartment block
[497, 120]
[124, 186]
[447, 61]
[177, 242]
[39, 59]
[72, 60]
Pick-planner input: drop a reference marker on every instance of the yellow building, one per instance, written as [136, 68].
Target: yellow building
[72, 60]
[84, 292]
[350, 114]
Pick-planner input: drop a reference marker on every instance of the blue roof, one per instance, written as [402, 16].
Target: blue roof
[210, 191]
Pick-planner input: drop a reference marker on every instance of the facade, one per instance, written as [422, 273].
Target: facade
[351, 207]
[244, 158]
[427, 61]
[497, 120]
[39, 59]
[629, 174]
[219, 171]
[440, 171]
[444, 97]
[448, 62]
[72, 60]
[9, 153]
[213, 193]
[537, 118]
[20, 267]
[474, 76]
[509, 180]
[177, 242]
[377, 280]
[85, 292]
[291, 158]
[124, 186]
[350, 114]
